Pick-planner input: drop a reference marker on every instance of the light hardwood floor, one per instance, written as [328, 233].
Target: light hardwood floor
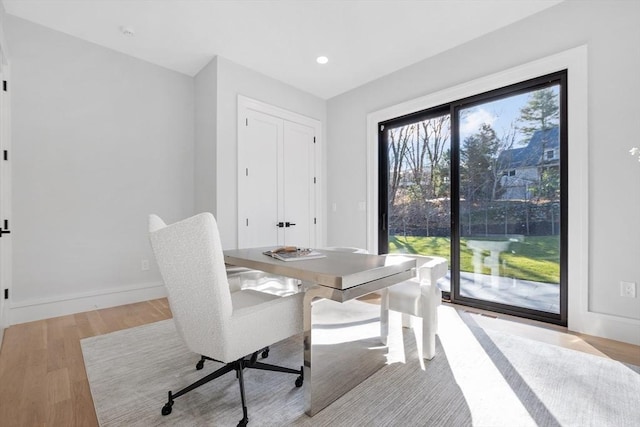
[42, 377]
[43, 381]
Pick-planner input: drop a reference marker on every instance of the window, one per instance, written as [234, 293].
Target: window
[550, 155]
[484, 185]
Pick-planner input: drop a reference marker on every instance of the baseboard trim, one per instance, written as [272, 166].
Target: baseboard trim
[608, 326]
[32, 310]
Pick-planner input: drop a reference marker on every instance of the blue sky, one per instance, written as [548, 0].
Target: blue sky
[499, 114]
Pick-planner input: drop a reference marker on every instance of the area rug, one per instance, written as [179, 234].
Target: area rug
[479, 377]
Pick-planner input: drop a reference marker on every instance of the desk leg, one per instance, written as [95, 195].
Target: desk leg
[384, 315]
[309, 297]
[341, 347]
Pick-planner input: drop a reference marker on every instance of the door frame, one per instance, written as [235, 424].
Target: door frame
[575, 62]
[5, 194]
[245, 104]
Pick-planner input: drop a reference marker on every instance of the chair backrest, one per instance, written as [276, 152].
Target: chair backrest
[189, 255]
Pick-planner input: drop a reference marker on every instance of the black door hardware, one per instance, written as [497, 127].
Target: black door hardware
[5, 230]
[285, 224]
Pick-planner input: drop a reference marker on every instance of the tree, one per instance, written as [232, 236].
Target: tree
[397, 148]
[424, 164]
[418, 171]
[480, 175]
[435, 138]
[443, 187]
[541, 112]
[549, 186]
[431, 137]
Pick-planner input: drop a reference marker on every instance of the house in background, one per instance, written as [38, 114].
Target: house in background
[523, 168]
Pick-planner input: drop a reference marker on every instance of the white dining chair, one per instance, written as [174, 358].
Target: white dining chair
[419, 297]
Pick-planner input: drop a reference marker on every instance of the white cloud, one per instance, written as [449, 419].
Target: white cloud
[475, 118]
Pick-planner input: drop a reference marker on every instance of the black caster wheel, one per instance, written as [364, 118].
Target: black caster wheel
[265, 353]
[299, 381]
[243, 422]
[200, 365]
[166, 409]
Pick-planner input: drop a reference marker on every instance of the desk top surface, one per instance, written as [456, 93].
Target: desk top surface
[338, 270]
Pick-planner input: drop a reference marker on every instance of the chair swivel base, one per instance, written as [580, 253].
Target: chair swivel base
[238, 366]
[264, 353]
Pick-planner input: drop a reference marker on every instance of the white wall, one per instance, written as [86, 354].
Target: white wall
[205, 92]
[234, 80]
[611, 31]
[100, 140]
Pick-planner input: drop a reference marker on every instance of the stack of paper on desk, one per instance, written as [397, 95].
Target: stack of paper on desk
[291, 253]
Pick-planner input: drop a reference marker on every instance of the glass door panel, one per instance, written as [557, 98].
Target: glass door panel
[509, 204]
[418, 186]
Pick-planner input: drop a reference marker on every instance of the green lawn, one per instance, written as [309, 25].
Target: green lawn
[536, 258]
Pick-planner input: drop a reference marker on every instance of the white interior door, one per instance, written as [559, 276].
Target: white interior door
[259, 160]
[5, 196]
[277, 176]
[298, 185]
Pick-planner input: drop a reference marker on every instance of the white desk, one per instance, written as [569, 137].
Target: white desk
[332, 369]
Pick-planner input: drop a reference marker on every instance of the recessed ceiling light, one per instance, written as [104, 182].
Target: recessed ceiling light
[322, 59]
[127, 31]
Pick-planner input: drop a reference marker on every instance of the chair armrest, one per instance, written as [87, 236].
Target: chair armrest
[271, 307]
[264, 324]
[433, 270]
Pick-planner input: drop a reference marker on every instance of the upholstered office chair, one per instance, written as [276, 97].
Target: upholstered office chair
[420, 297]
[221, 325]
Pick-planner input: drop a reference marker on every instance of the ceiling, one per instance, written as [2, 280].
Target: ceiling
[363, 39]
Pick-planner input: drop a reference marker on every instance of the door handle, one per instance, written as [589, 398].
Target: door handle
[280, 224]
[289, 224]
[6, 228]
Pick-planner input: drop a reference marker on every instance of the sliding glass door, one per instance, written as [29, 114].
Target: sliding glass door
[416, 204]
[482, 182]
